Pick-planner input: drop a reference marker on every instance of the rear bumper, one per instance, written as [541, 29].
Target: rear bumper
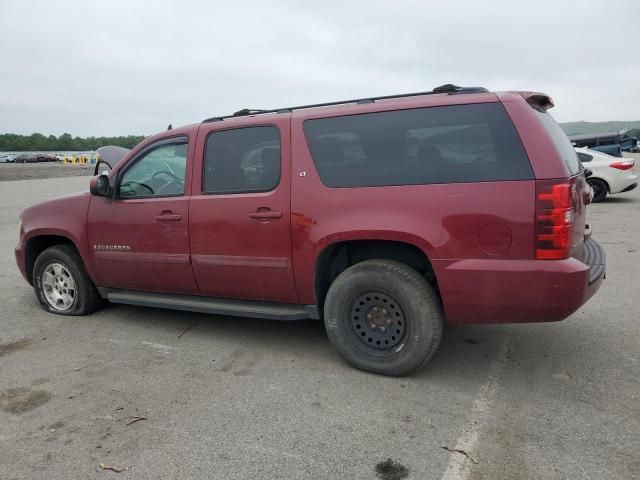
[594, 257]
[624, 184]
[630, 187]
[517, 291]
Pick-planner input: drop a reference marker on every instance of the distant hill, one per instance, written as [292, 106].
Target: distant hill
[574, 128]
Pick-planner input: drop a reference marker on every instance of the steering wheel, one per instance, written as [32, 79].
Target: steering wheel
[166, 172]
[137, 183]
[173, 179]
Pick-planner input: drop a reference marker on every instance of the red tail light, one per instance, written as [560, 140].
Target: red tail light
[624, 165]
[554, 220]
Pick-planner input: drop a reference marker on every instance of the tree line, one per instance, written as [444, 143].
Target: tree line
[10, 142]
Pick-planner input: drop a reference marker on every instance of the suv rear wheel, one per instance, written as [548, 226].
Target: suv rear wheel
[382, 316]
[62, 284]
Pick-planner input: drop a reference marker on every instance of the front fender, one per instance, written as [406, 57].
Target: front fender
[63, 217]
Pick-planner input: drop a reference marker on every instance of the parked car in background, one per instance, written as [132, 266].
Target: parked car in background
[26, 158]
[35, 158]
[7, 158]
[629, 143]
[612, 143]
[609, 174]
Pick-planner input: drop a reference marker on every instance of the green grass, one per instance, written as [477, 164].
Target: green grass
[574, 128]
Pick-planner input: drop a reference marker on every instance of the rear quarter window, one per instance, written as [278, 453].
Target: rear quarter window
[461, 143]
[561, 141]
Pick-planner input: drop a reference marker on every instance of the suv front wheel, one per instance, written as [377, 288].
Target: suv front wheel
[62, 284]
[383, 317]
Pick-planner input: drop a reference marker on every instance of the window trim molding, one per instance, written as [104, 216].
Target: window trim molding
[177, 140]
[241, 192]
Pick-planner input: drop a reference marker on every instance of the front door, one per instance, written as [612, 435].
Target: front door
[240, 210]
[140, 238]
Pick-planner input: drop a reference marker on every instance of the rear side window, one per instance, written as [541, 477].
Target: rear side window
[584, 157]
[460, 143]
[561, 141]
[242, 160]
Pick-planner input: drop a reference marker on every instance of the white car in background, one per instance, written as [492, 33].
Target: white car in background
[609, 174]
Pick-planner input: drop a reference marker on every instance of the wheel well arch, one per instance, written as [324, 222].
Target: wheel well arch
[602, 180]
[339, 256]
[38, 244]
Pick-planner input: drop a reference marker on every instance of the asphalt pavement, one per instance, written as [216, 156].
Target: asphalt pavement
[166, 395]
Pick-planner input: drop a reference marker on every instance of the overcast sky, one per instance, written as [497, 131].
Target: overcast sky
[124, 67]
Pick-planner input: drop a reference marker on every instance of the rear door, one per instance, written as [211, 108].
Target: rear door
[240, 210]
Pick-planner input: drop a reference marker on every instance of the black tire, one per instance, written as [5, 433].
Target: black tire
[406, 306]
[86, 298]
[600, 189]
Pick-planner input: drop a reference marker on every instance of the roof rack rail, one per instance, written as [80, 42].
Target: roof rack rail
[449, 89]
[247, 111]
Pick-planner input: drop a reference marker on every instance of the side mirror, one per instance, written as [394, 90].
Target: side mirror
[99, 163]
[99, 186]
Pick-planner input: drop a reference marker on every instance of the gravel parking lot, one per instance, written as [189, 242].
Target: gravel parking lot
[31, 171]
[236, 398]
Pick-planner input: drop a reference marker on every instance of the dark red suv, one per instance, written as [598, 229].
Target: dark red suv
[385, 216]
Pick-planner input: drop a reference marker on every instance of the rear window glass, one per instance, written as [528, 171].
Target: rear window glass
[561, 141]
[584, 157]
[461, 143]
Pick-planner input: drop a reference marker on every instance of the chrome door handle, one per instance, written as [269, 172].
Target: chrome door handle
[168, 217]
[265, 214]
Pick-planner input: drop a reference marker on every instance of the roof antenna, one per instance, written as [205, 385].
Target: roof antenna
[169, 127]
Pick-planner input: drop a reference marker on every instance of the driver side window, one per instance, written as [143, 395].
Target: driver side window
[157, 173]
